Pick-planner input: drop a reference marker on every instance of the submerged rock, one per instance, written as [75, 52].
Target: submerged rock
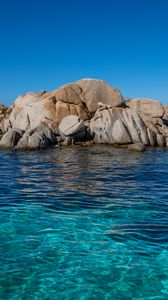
[138, 147]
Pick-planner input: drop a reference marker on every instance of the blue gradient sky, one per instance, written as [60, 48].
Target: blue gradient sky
[44, 44]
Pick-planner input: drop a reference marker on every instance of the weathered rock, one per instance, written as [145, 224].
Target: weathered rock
[165, 117]
[102, 123]
[96, 91]
[11, 138]
[136, 127]
[149, 107]
[38, 138]
[25, 100]
[138, 147]
[80, 99]
[72, 126]
[120, 133]
[110, 119]
[101, 127]
[152, 137]
[161, 140]
[166, 141]
[6, 125]
[160, 125]
[153, 128]
[166, 112]
[152, 113]
[49, 134]
[3, 110]
[42, 92]
[70, 93]
[23, 142]
[32, 109]
[118, 126]
[3, 115]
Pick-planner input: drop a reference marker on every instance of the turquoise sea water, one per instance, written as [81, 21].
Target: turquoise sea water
[84, 223]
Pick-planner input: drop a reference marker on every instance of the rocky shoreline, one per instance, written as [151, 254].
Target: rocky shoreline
[88, 111]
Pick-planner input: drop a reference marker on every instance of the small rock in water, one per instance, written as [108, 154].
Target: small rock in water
[138, 147]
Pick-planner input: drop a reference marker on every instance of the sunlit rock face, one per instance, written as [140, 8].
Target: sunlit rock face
[80, 99]
[97, 110]
[147, 107]
[153, 113]
[118, 126]
[72, 126]
[96, 91]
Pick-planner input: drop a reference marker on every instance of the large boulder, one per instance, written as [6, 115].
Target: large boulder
[71, 126]
[96, 91]
[152, 112]
[23, 142]
[148, 107]
[31, 109]
[66, 110]
[118, 126]
[11, 138]
[136, 126]
[25, 100]
[27, 113]
[38, 138]
[80, 98]
[120, 133]
[101, 125]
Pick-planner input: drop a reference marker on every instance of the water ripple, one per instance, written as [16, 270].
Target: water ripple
[84, 223]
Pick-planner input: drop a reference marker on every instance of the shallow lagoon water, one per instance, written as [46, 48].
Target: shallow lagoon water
[84, 223]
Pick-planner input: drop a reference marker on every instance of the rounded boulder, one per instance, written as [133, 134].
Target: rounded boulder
[72, 126]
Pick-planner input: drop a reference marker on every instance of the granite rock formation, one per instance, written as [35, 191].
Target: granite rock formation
[152, 112]
[118, 126]
[72, 127]
[80, 111]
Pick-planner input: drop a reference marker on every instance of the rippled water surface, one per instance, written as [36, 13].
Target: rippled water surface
[84, 223]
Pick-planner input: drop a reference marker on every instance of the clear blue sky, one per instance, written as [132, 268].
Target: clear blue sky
[44, 44]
